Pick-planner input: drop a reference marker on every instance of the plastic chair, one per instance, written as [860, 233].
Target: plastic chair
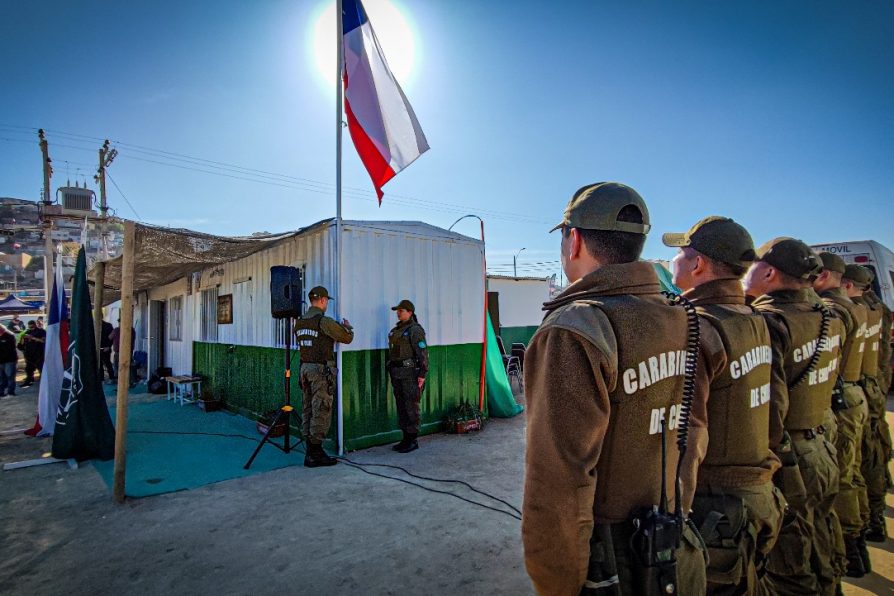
[511, 363]
[518, 350]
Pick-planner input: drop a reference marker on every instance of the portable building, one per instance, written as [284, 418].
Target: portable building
[215, 320]
[516, 306]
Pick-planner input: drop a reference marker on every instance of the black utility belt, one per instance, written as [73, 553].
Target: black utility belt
[408, 363]
[807, 433]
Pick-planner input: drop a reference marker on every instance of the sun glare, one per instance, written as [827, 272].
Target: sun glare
[392, 30]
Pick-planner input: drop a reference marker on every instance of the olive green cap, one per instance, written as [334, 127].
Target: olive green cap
[718, 238]
[596, 207]
[319, 292]
[790, 256]
[832, 262]
[858, 274]
[406, 305]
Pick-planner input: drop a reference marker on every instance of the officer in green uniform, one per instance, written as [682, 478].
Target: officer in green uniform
[851, 413]
[315, 336]
[603, 374]
[805, 341]
[407, 367]
[737, 508]
[876, 447]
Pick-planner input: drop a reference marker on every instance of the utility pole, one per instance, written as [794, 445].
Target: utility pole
[106, 157]
[47, 223]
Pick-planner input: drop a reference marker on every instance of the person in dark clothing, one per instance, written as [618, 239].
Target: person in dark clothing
[105, 351]
[407, 367]
[8, 359]
[33, 345]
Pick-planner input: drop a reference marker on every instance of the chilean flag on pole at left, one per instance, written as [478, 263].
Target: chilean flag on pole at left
[55, 351]
[381, 120]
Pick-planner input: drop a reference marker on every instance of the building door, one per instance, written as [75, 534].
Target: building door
[157, 334]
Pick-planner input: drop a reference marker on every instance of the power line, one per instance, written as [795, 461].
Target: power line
[109, 176]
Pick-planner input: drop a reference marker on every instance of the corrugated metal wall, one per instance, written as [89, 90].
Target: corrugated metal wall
[441, 272]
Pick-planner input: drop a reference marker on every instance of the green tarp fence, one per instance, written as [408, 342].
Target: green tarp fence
[500, 401]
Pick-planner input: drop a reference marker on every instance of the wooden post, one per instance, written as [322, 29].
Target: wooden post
[124, 358]
[98, 288]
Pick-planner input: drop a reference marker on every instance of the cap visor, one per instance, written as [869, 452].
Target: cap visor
[395, 307]
[672, 239]
[557, 227]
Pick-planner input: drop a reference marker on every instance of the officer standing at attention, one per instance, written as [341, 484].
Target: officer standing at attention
[851, 413]
[735, 479]
[603, 373]
[315, 336]
[804, 339]
[877, 441]
[407, 367]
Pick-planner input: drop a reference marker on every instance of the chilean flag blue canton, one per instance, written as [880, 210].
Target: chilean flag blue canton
[381, 121]
[55, 354]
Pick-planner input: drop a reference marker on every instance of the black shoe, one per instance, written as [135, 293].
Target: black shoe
[402, 445]
[411, 445]
[876, 531]
[317, 458]
[864, 552]
[855, 566]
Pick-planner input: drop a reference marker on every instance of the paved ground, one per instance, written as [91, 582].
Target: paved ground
[290, 531]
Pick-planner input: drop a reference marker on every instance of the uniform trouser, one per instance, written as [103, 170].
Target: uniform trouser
[407, 395]
[876, 452]
[615, 569]
[734, 564]
[32, 365]
[105, 362]
[791, 565]
[318, 384]
[829, 561]
[851, 504]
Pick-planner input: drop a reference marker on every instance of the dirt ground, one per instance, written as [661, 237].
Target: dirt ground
[289, 531]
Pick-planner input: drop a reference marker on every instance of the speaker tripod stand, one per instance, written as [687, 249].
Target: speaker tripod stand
[286, 412]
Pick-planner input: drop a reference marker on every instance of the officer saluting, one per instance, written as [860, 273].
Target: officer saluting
[315, 336]
[603, 372]
[733, 378]
[805, 341]
[407, 367]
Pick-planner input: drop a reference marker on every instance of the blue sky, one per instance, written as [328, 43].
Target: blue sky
[777, 114]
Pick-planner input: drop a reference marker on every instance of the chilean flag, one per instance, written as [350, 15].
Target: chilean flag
[382, 123]
[55, 353]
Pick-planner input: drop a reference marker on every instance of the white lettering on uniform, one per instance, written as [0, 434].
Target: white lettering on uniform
[654, 369]
[658, 415]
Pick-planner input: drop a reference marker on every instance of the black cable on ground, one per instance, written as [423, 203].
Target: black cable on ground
[516, 514]
[447, 480]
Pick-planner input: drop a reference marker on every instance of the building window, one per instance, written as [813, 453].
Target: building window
[209, 315]
[175, 318]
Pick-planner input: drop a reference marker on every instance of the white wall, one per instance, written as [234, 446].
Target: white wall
[521, 300]
[384, 262]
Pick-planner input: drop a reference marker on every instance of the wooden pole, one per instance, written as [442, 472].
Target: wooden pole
[98, 288]
[124, 357]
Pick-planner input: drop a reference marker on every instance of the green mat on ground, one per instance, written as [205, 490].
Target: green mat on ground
[500, 401]
[159, 460]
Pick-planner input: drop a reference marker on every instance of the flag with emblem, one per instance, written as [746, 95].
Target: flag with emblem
[84, 428]
[55, 352]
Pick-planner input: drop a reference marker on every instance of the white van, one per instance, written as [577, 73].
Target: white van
[872, 255]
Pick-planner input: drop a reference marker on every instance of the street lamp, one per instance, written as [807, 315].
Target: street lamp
[514, 257]
[483, 372]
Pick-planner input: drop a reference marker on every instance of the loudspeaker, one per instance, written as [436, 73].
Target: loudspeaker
[285, 292]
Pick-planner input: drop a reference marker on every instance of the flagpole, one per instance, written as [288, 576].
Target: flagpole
[338, 223]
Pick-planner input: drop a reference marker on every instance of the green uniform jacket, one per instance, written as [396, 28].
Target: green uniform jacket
[406, 341]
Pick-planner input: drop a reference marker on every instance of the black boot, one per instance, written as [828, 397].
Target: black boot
[316, 457]
[411, 445]
[402, 445]
[855, 566]
[864, 552]
[876, 532]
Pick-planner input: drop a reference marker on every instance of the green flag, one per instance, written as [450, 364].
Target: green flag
[84, 428]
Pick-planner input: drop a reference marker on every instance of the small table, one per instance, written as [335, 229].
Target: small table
[186, 389]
